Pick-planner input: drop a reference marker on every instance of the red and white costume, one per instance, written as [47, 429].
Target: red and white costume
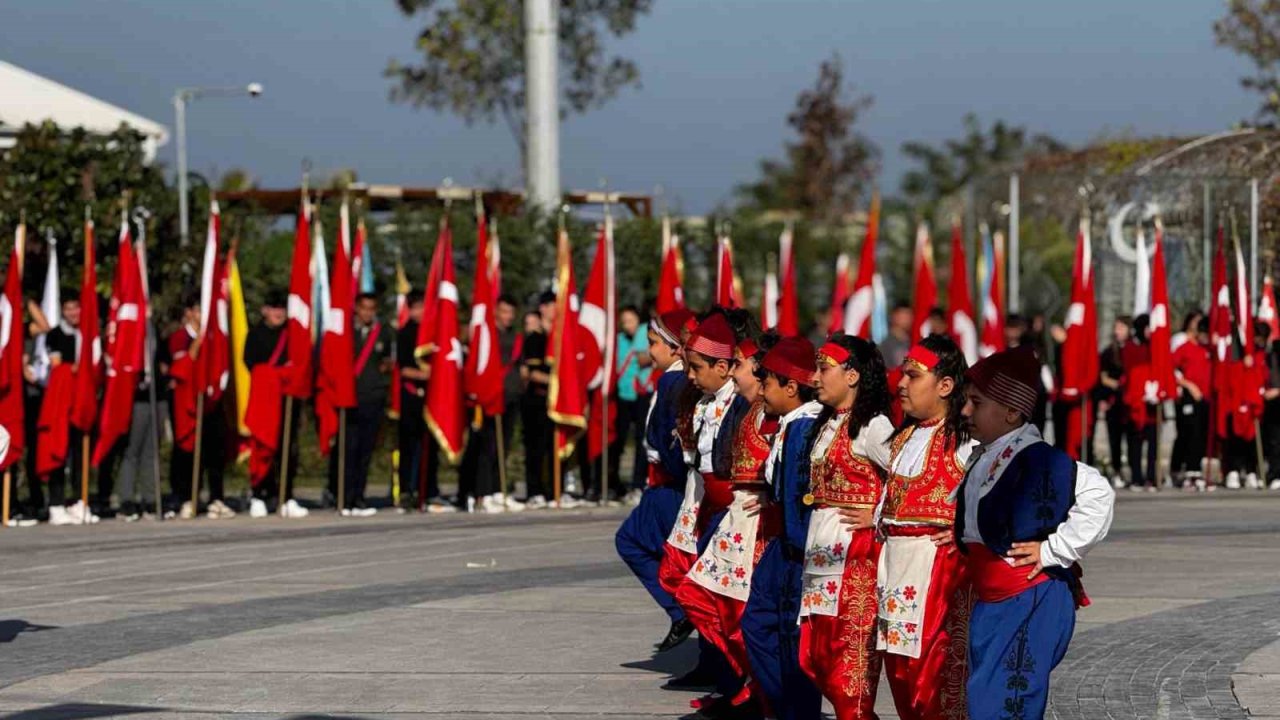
[838, 605]
[923, 591]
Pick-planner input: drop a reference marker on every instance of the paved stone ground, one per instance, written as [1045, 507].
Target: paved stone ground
[532, 615]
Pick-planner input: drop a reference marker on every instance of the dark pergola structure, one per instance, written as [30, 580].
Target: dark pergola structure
[382, 198]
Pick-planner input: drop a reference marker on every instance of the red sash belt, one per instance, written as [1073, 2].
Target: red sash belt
[994, 579]
[717, 493]
[913, 530]
[658, 476]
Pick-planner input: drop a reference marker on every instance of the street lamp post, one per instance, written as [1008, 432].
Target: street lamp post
[180, 100]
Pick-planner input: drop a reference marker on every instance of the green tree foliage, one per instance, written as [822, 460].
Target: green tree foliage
[827, 170]
[1252, 29]
[471, 57]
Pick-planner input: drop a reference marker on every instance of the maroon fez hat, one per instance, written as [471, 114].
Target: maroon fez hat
[671, 325]
[1010, 377]
[713, 338]
[793, 358]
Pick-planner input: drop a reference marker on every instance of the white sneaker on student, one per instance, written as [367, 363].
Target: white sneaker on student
[187, 512]
[257, 508]
[513, 505]
[537, 502]
[1251, 481]
[1275, 484]
[364, 512]
[293, 510]
[58, 515]
[1233, 480]
[1117, 482]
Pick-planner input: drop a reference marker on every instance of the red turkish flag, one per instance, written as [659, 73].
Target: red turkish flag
[857, 314]
[597, 319]
[1161, 353]
[960, 305]
[84, 404]
[1080, 351]
[482, 377]
[993, 298]
[444, 391]
[11, 339]
[1220, 306]
[126, 346]
[670, 290]
[213, 359]
[1267, 309]
[788, 313]
[1243, 303]
[926, 287]
[336, 376]
[426, 328]
[297, 379]
[726, 295]
[840, 292]
[567, 396]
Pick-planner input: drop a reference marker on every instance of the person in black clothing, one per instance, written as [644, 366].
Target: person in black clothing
[266, 343]
[214, 435]
[538, 430]
[63, 343]
[419, 459]
[479, 481]
[1107, 393]
[371, 342]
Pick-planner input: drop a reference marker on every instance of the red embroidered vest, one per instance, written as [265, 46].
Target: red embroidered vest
[685, 431]
[751, 446]
[924, 498]
[842, 478]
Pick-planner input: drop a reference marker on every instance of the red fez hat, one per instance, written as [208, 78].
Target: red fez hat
[671, 325]
[713, 338]
[1010, 377]
[793, 358]
[748, 347]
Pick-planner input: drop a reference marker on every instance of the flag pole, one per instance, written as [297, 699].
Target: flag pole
[8, 477]
[422, 469]
[142, 216]
[284, 452]
[555, 472]
[342, 459]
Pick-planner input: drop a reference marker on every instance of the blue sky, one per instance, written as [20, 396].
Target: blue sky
[719, 78]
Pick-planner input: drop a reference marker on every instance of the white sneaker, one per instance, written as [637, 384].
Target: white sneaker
[293, 510]
[1275, 484]
[441, 508]
[58, 515]
[512, 504]
[257, 508]
[24, 522]
[1251, 481]
[345, 512]
[471, 503]
[633, 497]
[1117, 482]
[81, 515]
[1135, 488]
[491, 504]
[218, 510]
[187, 512]
[537, 502]
[1233, 480]
[364, 512]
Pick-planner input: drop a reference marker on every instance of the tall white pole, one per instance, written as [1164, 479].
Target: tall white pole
[542, 93]
[1013, 243]
[1253, 244]
[180, 118]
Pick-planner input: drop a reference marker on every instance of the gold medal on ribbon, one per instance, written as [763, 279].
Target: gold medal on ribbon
[808, 498]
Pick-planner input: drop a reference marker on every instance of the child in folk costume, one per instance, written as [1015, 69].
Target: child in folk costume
[848, 460]
[714, 593]
[769, 622]
[1026, 514]
[923, 593]
[642, 539]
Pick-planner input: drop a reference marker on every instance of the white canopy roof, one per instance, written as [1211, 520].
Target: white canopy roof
[29, 98]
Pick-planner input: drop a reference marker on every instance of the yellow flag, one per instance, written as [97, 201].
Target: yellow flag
[239, 332]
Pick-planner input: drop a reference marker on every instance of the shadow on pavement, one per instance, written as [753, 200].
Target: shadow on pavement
[80, 710]
[676, 661]
[10, 629]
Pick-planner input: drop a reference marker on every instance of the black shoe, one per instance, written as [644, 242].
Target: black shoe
[679, 632]
[696, 679]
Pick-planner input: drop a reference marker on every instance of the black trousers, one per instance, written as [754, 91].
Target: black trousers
[59, 480]
[538, 440]
[1116, 418]
[1192, 424]
[213, 460]
[1238, 454]
[269, 489]
[419, 455]
[35, 487]
[363, 423]
[1138, 436]
[631, 419]
[480, 475]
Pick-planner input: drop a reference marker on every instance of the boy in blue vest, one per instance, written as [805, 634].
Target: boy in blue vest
[1026, 513]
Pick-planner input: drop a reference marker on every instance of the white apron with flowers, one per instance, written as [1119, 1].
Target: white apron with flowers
[706, 424]
[727, 564]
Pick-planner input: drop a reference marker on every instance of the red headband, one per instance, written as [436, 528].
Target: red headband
[835, 352]
[923, 357]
